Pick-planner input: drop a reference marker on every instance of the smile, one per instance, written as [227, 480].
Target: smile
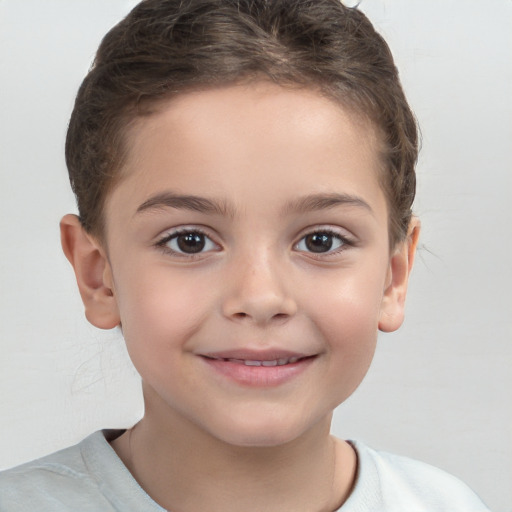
[261, 370]
[255, 362]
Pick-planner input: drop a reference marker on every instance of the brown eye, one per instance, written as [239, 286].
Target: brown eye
[191, 243]
[184, 243]
[321, 242]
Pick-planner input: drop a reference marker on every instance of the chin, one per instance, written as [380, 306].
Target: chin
[260, 432]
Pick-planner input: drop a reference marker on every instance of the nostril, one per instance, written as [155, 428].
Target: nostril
[259, 308]
[277, 316]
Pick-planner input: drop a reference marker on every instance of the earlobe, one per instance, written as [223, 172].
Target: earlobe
[93, 273]
[400, 266]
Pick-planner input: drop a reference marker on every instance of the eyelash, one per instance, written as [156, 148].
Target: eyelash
[162, 244]
[344, 240]
[164, 241]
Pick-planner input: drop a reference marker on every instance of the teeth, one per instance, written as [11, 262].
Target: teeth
[274, 362]
[251, 362]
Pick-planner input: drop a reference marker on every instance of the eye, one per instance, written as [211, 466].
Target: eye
[187, 242]
[322, 242]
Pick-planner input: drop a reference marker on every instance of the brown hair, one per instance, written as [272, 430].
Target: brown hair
[164, 47]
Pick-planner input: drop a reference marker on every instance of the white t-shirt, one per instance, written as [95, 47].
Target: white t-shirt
[90, 477]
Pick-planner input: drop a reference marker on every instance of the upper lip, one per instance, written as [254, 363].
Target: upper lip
[256, 355]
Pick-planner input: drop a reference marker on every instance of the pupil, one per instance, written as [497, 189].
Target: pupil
[319, 242]
[191, 242]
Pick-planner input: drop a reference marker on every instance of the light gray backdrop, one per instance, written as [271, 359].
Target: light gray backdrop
[439, 389]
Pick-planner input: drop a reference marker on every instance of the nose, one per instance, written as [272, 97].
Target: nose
[257, 293]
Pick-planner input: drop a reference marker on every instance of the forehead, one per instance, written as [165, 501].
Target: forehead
[247, 106]
[257, 137]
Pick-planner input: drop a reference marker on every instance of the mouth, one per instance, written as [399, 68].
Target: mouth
[282, 361]
[267, 369]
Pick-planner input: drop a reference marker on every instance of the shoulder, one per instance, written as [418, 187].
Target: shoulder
[54, 482]
[87, 477]
[57, 482]
[393, 482]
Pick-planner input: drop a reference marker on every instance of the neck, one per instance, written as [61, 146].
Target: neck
[185, 469]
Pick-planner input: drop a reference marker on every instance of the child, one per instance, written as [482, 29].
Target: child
[244, 171]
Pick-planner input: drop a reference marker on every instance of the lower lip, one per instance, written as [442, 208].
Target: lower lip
[259, 376]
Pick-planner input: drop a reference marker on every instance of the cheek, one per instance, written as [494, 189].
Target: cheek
[349, 303]
[160, 315]
[347, 318]
[350, 333]
[160, 309]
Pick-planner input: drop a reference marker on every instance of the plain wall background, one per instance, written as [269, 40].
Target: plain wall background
[439, 389]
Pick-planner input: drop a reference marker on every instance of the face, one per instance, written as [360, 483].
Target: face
[248, 259]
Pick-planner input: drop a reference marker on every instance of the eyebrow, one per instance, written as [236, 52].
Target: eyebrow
[186, 202]
[313, 202]
[316, 202]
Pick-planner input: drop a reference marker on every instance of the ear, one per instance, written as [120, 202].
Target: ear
[400, 266]
[93, 273]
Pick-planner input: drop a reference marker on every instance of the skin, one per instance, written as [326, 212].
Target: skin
[255, 151]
